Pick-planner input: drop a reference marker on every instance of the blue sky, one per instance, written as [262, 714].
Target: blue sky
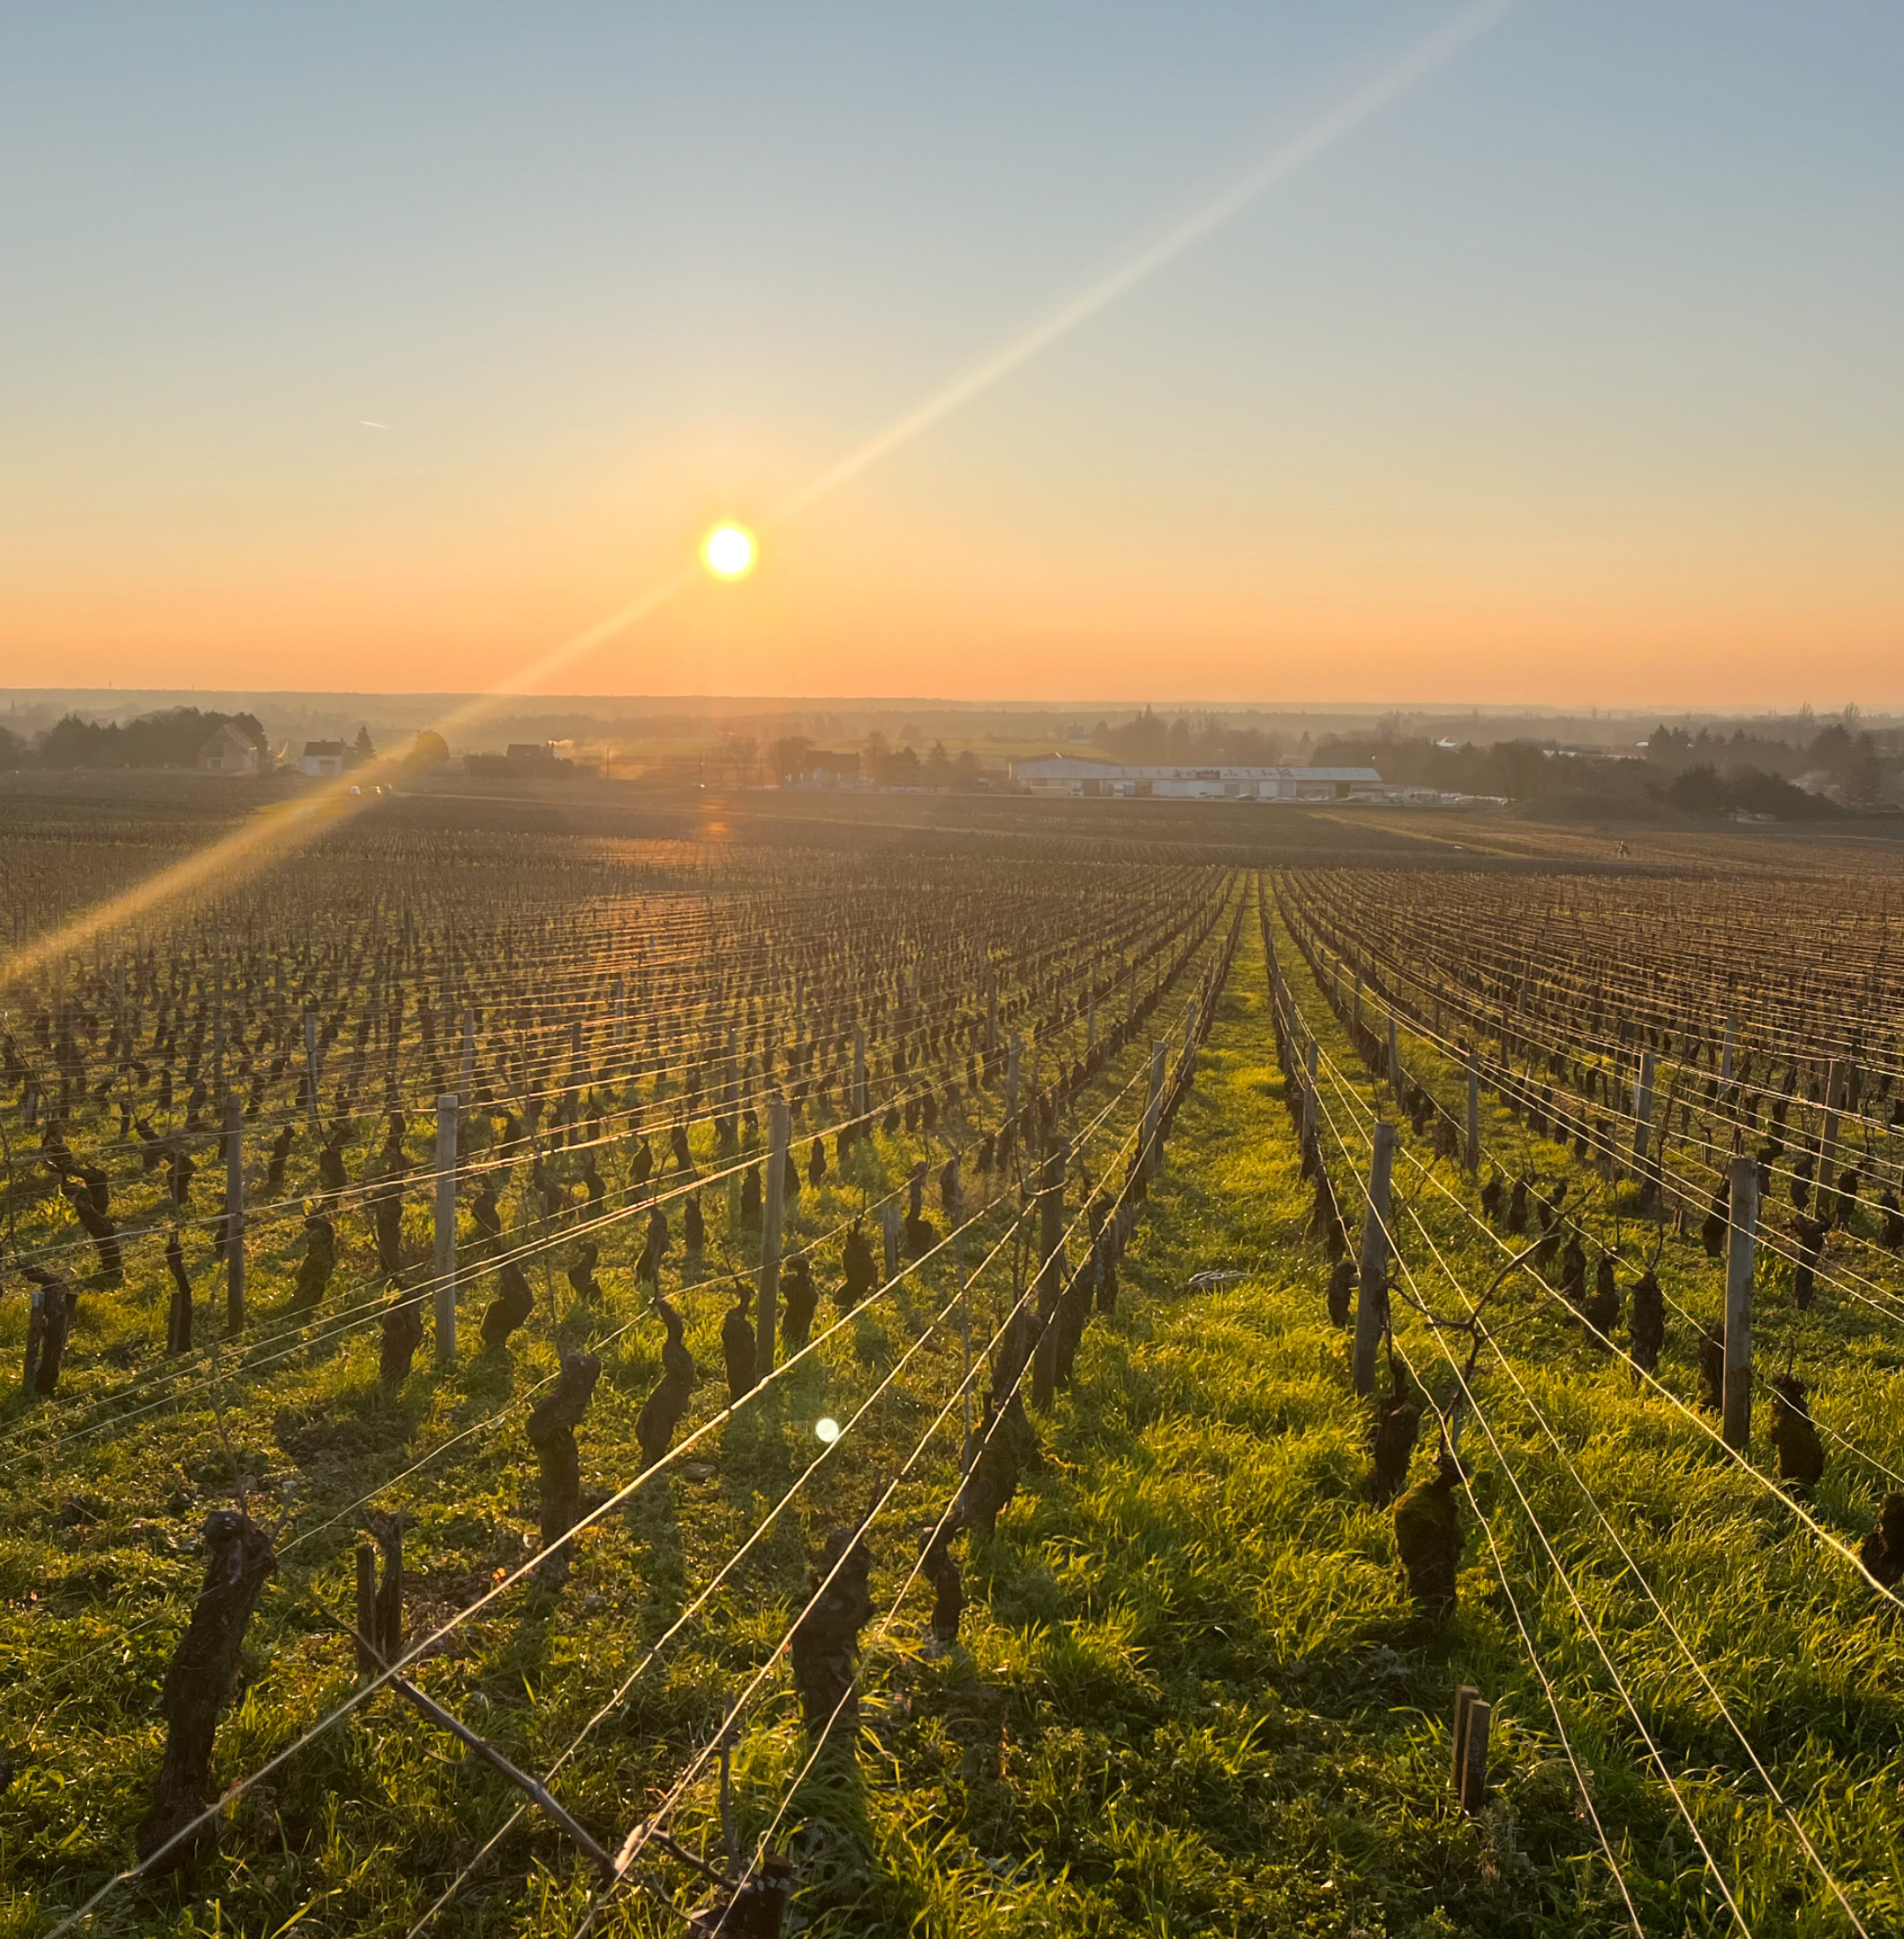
[1571, 375]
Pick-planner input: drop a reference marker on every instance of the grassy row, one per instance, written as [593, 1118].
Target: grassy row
[1756, 1623]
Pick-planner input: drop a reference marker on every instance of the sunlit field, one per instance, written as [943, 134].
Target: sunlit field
[387, 1240]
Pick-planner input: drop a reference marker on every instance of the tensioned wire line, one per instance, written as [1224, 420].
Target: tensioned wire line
[417, 1466]
[1534, 1661]
[759, 980]
[1524, 1017]
[766, 1839]
[553, 1057]
[638, 1838]
[489, 1266]
[1526, 1086]
[124, 1636]
[820, 1737]
[1626, 1697]
[373, 1307]
[1692, 1659]
[1563, 973]
[1204, 1012]
[293, 1205]
[1564, 977]
[688, 1010]
[1768, 1237]
[1281, 1000]
[1590, 1133]
[428, 1644]
[1494, 1013]
[1054, 1028]
[1824, 1534]
[959, 1300]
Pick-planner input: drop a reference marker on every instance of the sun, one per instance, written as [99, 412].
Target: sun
[729, 551]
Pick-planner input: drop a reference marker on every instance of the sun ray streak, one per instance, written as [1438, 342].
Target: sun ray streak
[268, 837]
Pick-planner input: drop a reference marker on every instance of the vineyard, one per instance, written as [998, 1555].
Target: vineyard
[761, 1377]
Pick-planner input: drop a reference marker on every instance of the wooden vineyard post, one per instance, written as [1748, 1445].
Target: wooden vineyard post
[1154, 1111]
[859, 1070]
[446, 1229]
[1371, 1298]
[310, 1065]
[1462, 1697]
[1742, 1233]
[1312, 1102]
[234, 1214]
[367, 1665]
[35, 1332]
[1395, 1061]
[467, 1093]
[1643, 1117]
[956, 1214]
[1725, 1067]
[1827, 1142]
[779, 1130]
[889, 1240]
[1050, 1275]
[1471, 1156]
[1472, 1716]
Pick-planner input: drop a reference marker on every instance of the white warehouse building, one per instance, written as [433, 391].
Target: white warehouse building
[1066, 774]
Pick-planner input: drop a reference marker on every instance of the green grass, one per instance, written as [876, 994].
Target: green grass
[1190, 1695]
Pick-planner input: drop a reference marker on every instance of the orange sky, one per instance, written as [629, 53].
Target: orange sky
[1565, 373]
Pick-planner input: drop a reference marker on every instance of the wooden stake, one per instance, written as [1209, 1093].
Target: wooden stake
[1742, 1232]
[1371, 1298]
[1464, 1698]
[366, 1607]
[1643, 1117]
[779, 1132]
[446, 1230]
[1473, 1788]
[311, 1065]
[1153, 1112]
[234, 1214]
[1050, 1274]
[1471, 1157]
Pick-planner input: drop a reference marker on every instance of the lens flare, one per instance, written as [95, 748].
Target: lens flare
[729, 551]
[828, 1429]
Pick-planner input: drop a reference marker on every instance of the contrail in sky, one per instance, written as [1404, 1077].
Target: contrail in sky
[264, 839]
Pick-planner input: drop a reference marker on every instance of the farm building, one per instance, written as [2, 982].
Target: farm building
[230, 750]
[322, 758]
[1069, 774]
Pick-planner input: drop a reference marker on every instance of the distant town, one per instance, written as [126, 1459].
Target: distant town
[1778, 768]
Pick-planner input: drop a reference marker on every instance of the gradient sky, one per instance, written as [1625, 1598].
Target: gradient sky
[1572, 375]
